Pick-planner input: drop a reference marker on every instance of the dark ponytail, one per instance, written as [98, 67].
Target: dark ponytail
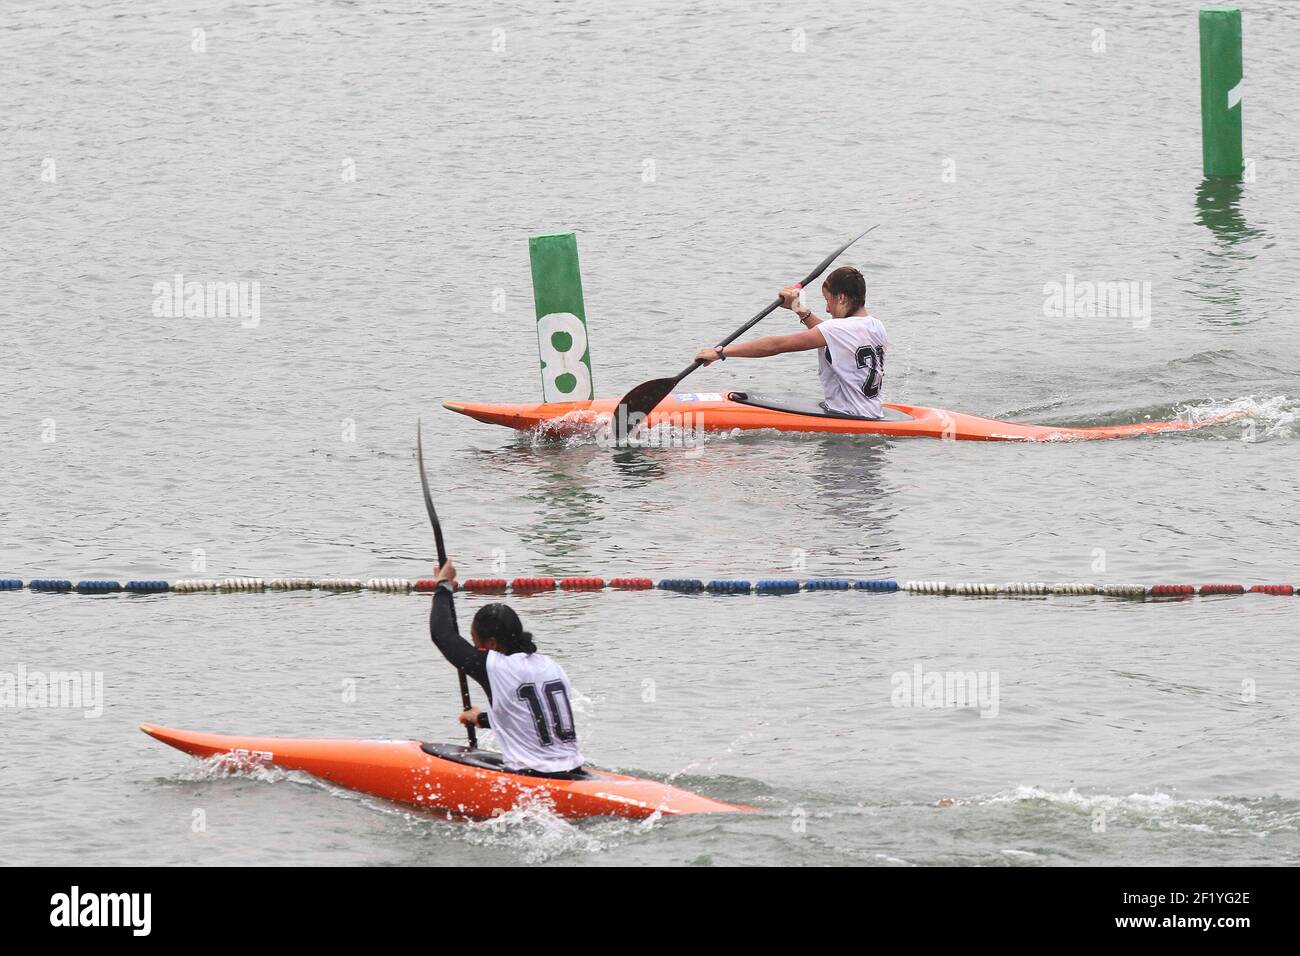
[497, 622]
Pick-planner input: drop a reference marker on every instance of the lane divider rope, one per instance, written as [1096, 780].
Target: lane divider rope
[533, 585]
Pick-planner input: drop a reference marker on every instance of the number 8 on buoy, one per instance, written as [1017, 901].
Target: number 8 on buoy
[562, 346]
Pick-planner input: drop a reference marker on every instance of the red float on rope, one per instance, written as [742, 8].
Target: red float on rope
[1222, 589]
[1172, 590]
[484, 584]
[1285, 590]
[426, 584]
[533, 584]
[582, 584]
[631, 584]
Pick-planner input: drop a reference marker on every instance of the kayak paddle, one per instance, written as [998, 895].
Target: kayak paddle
[642, 399]
[442, 559]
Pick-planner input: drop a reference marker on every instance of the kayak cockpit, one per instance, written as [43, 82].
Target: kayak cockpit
[797, 405]
[487, 760]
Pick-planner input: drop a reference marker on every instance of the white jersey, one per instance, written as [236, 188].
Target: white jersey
[852, 365]
[531, 714]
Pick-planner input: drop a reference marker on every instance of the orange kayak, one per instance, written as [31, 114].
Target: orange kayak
[445, 776]
[724, 411]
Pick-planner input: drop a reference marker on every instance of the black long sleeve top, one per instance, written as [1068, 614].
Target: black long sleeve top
[446, 637]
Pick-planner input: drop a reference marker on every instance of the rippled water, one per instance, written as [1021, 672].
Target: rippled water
[1125, 732]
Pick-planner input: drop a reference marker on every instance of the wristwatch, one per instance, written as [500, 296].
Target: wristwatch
[722, 352]
[804, 314]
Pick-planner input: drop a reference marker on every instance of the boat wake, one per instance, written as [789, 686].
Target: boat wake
[1248, 418]
[223, 766]
[535, 831]
[1222, 816]
[1266, 418]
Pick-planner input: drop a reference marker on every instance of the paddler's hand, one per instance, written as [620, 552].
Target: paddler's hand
[470, 717]
[790, 297]
[447, 573]
[707, 355]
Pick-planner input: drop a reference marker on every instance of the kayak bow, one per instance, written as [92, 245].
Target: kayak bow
[724, 411]
[445, 776]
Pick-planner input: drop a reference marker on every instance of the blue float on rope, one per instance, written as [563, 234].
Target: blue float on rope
[828, 584]
[98, 587]
[729, 587]
[777, 586]
[681, 584]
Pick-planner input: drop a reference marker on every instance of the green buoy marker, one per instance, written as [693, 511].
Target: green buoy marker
[1221, 87]
[561, 318]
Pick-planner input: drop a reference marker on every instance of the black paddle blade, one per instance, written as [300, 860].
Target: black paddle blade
[428, 498]
[642, 399]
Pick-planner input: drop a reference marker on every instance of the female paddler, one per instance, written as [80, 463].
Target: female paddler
[528, 693]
